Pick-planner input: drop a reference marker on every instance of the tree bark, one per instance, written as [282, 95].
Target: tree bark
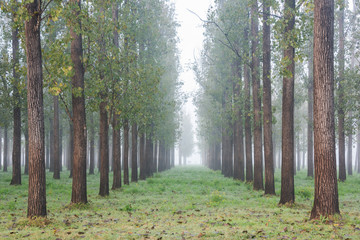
[149, 155]
[92, 146]
[287, 169]
[126, 152]
[37, 183]
[6, 148]
[56, 159]
[341, 113]
[16, 150]
[326, 201]
[134, 168]
[247, 106]
[349, 156]
[104, 151]
[267, 117]
[143, 169]
[258, 169]
[79, 189]
[26, 169]
[116, 153]
[238, 126]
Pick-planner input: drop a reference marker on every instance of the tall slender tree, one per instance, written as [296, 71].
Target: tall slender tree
[37, 182]
[16, 151]
[255, 71]
[267, 118]
[79, 189]
[287, 169]
[326, 201]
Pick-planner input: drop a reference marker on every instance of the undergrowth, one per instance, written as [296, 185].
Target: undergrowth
[183, 203]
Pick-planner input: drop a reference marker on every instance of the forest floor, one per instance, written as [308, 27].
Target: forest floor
[183, 203]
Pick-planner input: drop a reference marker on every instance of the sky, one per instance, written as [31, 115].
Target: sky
[191, 38]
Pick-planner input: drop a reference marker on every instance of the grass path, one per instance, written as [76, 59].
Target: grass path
[183, 203]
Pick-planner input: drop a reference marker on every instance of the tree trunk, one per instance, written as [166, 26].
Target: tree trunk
[149, 155]
[92, 145]
[287, 169]
[6, 148]
[326, 200]
[104, 151]
[238, 126]
[37, 182]
[143, 169]
[267, 117]
[16, 150]
[26, 169]
[126, 152]
[162, 156]
[341, 113]
[71, 149]
[79, 190]
[116, 153]
[310, 131]
[258, 169]
[349, 157]
[134, 168]
[247, 106]
[56, 159]
[51, 136]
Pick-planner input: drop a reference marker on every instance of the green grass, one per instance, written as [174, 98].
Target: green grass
[183, 203]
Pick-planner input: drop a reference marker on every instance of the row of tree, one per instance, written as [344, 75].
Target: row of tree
[74, 62]
[241, 129]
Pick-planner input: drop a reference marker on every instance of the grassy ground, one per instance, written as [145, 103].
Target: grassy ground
[183, 203]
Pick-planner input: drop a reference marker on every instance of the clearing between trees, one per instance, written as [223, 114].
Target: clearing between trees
[182, 203]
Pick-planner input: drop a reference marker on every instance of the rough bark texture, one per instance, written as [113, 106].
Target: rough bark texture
[267, 108]
[78, 194]
[37, 183]
[287, 169]
[134, 168]
[310, 131]
[326, 192]
[16, 151]
[126, 152]
[116, 154]
[143, 169]
[56, 159]
[341, 113]
[255, 63]
[104, 151]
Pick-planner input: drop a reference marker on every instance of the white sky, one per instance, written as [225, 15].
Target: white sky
[191, 38]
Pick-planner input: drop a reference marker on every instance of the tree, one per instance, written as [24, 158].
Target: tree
[341, 112]
[79, 194]
[56, 130]
[255, 70]
[310, 133]
[287, 169]
[267, 118]
[16, 154]
[37, 186]
[326, 201]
